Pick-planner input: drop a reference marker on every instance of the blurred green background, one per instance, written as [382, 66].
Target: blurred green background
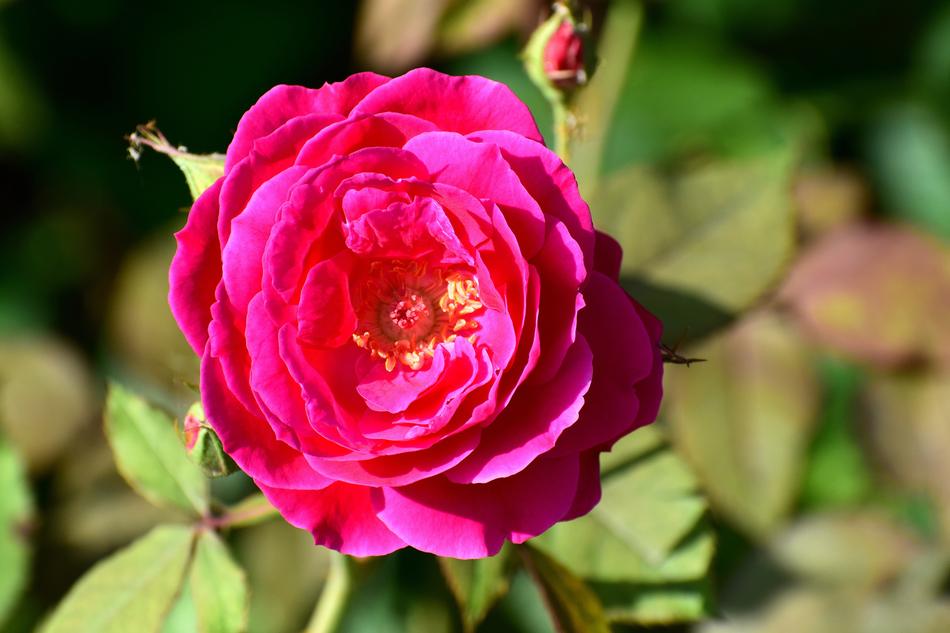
[778, 172]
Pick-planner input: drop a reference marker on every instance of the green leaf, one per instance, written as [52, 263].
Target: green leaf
[182, 618]
[647, 527]
[200, 170]
[402, 592]
[477, 584]
[644, 604]
[572, 604]
[737, 215]
[910, 153]
[133, 590]
[837, 473]
[645, 547]
[285, 572]
[657, 119]
[652, 505]
[523, 606]
[743, 419]
[594, 549]
[149, 454]
[632, 448]
[16, 512]
[219, 587]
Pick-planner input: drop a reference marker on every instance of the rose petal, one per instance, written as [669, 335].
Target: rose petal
[196, 269]
[325, 315]
[531, 423]
[242, 256]
[340, 517]
[479, 169]
[588, 486]
[394, 391]
[561, 269]
[278, 396]
[283, 103]
[457, 104]
[608, 255]
[249, 440]
[549, 181]
[473, 521]
[625, 354]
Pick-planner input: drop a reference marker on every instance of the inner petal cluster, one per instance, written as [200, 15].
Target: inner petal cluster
[405, 309]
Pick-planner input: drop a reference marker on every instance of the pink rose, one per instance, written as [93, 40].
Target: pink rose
[410, 333]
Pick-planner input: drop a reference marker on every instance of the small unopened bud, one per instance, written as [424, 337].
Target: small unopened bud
[203, 445]
[555, 55]
[564, 56]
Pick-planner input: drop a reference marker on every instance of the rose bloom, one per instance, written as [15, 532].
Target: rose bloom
[410, 333]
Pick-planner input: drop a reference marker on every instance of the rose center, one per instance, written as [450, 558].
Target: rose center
[407, 309]
[409, 316]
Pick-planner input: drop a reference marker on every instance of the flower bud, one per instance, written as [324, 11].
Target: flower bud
[204, 446]
[554, 56]
[564, 57]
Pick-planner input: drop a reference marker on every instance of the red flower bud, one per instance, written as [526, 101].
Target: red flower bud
[564, 57]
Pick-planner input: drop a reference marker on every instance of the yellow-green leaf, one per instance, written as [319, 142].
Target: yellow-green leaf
[743, 419]
[133, 590]
[719, 234]
[647, 527]
[219, 588]
[641, 604]
[150, 455]
[200, 170]
[16, 511]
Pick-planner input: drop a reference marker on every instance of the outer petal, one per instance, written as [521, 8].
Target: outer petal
[249, 440]
[473, 521]
[588, 486]
[549, 181]
[607, 256]
[625, 354]
[457, 104]
[340, 517]
[242, 257]
[196, 269]
[282, 103]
